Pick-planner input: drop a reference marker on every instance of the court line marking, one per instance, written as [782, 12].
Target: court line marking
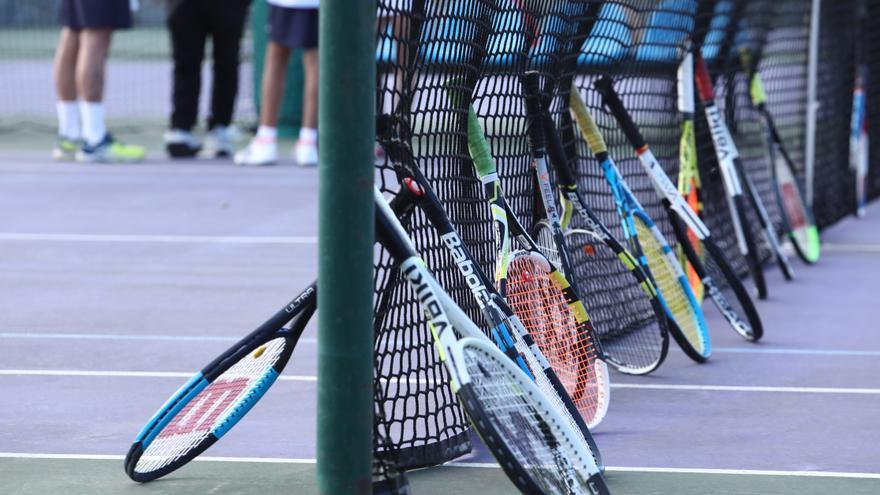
[313, 378]
[850, 247]
[313, 340]
[479, 465]
[158, 238]
[108, 336]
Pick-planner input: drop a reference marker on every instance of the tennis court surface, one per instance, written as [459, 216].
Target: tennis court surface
[119, 282]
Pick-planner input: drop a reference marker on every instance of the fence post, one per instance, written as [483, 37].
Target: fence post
[345, 243]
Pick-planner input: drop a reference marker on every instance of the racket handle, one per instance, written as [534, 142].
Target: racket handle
[605, 87]
[531, 82]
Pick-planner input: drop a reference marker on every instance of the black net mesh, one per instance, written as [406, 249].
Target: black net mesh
[486, 45]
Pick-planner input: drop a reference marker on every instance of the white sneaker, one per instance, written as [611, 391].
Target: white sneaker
[305, 153]
[218, 142]
[181, 144]
[259, 152]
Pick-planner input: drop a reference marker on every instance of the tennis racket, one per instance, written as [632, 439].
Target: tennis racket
[743, 317]
[621, 300]
[686, 321]
[858, 138]
[688, 173]
[541, 295]
[505, 327]
[214, 400]
[730, 167]
[797, 216]
[532, 443]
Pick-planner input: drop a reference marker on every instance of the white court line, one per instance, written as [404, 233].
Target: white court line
[313, 378]
[834, 247]
[749, 388]
[205, 239]
[479, 465]
[313, 340]
[109, 336]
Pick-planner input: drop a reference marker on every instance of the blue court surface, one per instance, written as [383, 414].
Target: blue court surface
[119, 282]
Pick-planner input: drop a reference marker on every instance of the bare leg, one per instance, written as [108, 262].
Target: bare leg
[274, 74]
[65, 65]
[310, 89]
[95, 46]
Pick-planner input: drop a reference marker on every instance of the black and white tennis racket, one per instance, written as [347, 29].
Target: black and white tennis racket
[626, 312]
[744, 319]
[797, 216]
[730, 169]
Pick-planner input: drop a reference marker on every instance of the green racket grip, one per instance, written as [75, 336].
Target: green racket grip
[479, 147]
[585, 121]
[756, 84]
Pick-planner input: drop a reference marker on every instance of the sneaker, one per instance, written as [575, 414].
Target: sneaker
[259, 152]
[65, 149]
[305, 153]
[181, 144]
[109, 150]
[218, 142]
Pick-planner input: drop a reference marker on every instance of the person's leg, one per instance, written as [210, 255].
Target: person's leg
[90, 69]
[227, 27]
[263, 148]
[64, 73]
[306, 149]
[188, 31]
[274, 79]
[99, 18]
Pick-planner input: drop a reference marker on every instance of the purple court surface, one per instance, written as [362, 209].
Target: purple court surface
[119, 282]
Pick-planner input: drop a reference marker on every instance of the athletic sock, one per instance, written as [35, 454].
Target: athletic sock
[267, 133]
[308, 135]
[68, 120]
[93, 125]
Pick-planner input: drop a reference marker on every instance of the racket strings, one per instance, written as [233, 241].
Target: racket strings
[667, 282]
[630, 333]
[543, 310]
[526, 425]
[218, 402]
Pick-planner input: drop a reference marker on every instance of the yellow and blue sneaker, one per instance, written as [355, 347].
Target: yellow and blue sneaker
[65, 149]
[109, 150]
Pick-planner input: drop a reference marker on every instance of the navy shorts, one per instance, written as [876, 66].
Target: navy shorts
[96, 14]
[293, 28]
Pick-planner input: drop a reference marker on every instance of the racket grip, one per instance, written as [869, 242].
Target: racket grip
[702, 79]
[531, 83]
[585, 121]
[605, 87]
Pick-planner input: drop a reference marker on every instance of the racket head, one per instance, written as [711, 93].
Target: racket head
[689, 328]
[214, 400]
[751, 255]
[535, 292]
[730, 295]
[633, 335]
[535, 447]
[796, 213]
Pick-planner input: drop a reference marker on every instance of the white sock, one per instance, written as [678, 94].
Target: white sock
[93, 126]
[68, 120]
[308, 134]
[268, 133]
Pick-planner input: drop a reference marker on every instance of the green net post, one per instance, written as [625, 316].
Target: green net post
[289, 118]
[346, 126]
